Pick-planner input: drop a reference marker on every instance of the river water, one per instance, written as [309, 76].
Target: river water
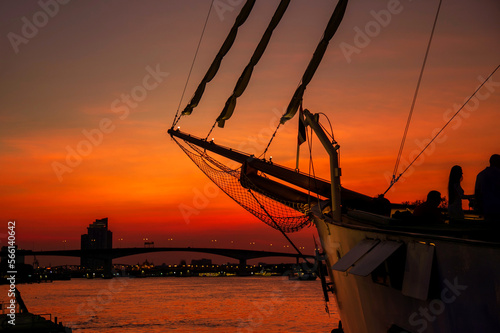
[189, 304]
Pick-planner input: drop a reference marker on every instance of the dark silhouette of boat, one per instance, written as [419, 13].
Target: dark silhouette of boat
[20, 320]
[302, 276]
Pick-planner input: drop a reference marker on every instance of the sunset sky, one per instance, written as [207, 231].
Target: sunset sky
[89, 89]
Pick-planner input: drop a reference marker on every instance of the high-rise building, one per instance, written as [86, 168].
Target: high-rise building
[98, 237]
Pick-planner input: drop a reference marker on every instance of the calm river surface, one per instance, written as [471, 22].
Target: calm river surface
[190, 304]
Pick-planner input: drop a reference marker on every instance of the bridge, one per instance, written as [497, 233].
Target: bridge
[105, 254]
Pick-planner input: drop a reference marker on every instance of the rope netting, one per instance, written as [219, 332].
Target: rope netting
[282, 215]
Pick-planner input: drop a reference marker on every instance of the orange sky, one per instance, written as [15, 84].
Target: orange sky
[65, 83]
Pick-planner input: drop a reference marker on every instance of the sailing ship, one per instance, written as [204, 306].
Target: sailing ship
[387, 274]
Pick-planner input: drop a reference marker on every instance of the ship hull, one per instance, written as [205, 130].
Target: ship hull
[431, 283]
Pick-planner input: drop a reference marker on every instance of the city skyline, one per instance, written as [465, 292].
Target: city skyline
[90, 91]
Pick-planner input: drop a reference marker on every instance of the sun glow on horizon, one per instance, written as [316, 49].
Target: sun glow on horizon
[87, 103]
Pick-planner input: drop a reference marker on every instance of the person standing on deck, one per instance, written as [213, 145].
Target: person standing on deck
[456, 193]
[487, 190]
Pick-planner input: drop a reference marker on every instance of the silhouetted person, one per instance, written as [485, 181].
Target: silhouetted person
[428, 211]
[487, 190]
[380, 205]
[456, 193]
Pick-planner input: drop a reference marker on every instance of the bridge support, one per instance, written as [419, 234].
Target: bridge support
[242, 268]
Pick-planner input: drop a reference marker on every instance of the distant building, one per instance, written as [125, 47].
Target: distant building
[98, 237]
[201, 262]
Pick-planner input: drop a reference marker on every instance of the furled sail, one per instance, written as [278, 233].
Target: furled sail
[226, 46]
[330, 30]
[247, 72]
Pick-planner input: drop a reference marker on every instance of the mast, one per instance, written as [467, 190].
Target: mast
[331, 148]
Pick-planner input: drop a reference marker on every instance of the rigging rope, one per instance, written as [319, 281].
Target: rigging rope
[297, 98]
[330, 124]
[263, 155]
[276, 225]
[210, 132]
[442, 129]
[177, 116]
[400, 153]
